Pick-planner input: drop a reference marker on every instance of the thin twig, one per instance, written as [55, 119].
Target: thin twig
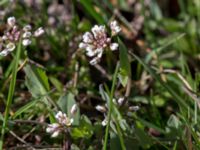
[192, 95]
[20, 139]
[98, 67]
[186, 88]
[31, 122]
[36, 64]
[75, 77]
[28, 134]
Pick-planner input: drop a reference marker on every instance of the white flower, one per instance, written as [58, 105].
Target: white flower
[13, 34]
[11, 21]
[95, 41]
[27, 28]
[101, 108]
[134, 108]
[27, 34]
[82, 45]
[53, 129]
[10, 46]
[26, 42]
[4, 52]
[4, 37]
[63, 119]
[74, 109]
[88, 37]
[104, 122]
[39, 32]
[114, 46]
[99, 32]
[120, 101]
[115, 28]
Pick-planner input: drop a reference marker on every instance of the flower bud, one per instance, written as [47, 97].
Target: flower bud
[114, 46]
[104, 122]
[27, 34]
[120, 101]
[101, 108]
[27, 28]
[74, 109]
[10, 46]
[26, 42]
[39, 32]
[134, 108]
[11, 21]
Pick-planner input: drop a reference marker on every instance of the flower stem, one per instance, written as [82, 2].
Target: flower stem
[110, 106]
[10, 94]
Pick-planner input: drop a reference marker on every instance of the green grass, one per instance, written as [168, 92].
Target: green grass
[156, 68]
[10, 93]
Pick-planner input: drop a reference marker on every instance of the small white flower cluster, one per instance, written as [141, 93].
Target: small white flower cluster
[13, 34]
[104, 108]
[97, 40]
[62, 122]
[115, 28]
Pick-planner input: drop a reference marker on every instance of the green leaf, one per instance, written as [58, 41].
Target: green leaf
[25, 108]
[145, 140]
[85, 129]
[103, 94]
[123, 4]
[123, 78]
[150, 125]
[114, 142]
[56, 83]
[173, 122]
[66, 102]
[36, 81]
[124, 61]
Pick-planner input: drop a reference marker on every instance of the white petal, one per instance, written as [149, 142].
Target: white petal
[39, 32]
[26, 42]
[120, 101]
[82, 45]
[114, 46]
[98, 30]
[115, 28]
[55, 134]
[10, 46]
[58, 115]
[101, 108]
[27, 28]
[4, 52]
[104, 122]
[4, 37]
[74, 109]
[87, 37]
[100, 53]
[134, 108]
[49, 129]
[71, 120]
[11, 21]
[90, 51]
[27, 35]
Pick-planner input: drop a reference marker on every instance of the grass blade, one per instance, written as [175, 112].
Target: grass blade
[10, 93]
[110, 106]
[177, 98]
